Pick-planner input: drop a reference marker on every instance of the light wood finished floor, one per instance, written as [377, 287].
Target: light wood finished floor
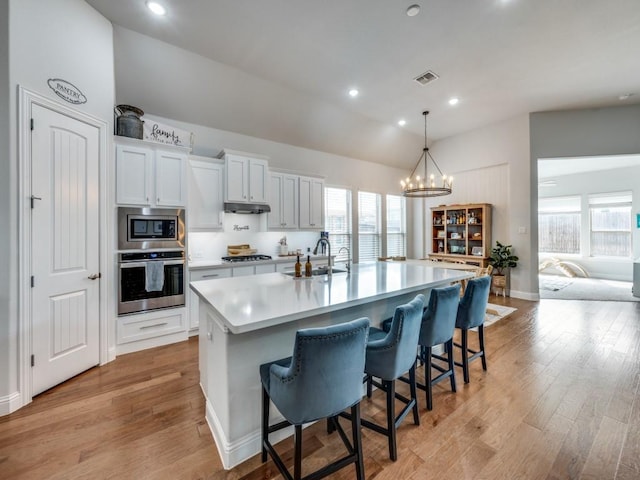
[559, 401]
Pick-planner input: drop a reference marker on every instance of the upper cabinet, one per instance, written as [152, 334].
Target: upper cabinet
[150, 174]
[246, 178]
[283, 200]
[206, 193]
[311, 202]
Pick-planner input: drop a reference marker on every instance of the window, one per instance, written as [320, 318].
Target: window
[368, 227]
[337, 207]
[396, 226]
[559, 225]
[610, 221]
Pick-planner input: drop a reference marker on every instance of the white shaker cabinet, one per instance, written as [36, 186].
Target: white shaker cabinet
[311, 202]
[202, 274]
[150, 175]
[246, 178]
[283, 200]
[206, 194]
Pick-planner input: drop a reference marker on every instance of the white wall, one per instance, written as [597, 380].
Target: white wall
[54, 39]
[491, 165]
[603, 181]
[8, 310]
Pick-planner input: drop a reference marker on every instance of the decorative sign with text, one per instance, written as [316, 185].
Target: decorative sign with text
[66, 91]
[157, 132]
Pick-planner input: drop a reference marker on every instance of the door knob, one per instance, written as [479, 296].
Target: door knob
[94, 276]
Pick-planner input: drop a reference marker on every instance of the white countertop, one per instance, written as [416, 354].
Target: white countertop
[251, 303]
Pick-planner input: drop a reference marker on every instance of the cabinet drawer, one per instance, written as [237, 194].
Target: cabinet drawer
[196, 275]
[135, 328]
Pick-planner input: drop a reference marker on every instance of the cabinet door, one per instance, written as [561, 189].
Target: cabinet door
[134, 172]
[290, 201]
[274, 217]
[171, 179]
[237, 178]
[205, 195]
[243, 271]
[258, 180]
[195, 275]
[311, 203]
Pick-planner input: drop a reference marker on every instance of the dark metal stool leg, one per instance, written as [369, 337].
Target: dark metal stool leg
[357, 440]
[297, 462]
[414, 396]
[390, 387]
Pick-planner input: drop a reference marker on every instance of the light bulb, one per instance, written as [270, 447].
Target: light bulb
[417, 178]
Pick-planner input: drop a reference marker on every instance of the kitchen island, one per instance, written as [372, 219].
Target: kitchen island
[247, 321]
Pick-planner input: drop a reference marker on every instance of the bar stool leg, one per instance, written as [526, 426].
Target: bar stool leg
[357, 440]
[414, 395]
[427, 378]
[265, 423]
[465, 358]
[481, 339]
[297, 462]
[450, 361]
[390, 387]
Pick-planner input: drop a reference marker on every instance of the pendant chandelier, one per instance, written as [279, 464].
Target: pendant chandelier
[425, 186]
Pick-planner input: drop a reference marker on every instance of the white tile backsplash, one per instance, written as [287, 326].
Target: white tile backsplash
[213, 245]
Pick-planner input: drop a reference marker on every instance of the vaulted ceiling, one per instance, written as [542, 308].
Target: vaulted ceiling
[501, 58]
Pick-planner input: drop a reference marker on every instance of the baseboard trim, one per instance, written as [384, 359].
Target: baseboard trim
[525, 295]
[233, 454]
[10, 403]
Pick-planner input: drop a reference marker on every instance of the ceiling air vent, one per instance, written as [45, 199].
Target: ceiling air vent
[426, 77]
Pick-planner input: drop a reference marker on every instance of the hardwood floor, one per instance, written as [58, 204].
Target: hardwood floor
[559, 401]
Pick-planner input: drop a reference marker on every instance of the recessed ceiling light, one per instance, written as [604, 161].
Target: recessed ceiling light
[402, 122]
[413, 10]
[156, 8]
[353, 92]
[454, 101]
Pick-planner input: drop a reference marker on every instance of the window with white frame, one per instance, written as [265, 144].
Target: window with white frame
[337, 208]
[368, 226]
[610, 225]
[396, 226]
[559, 225]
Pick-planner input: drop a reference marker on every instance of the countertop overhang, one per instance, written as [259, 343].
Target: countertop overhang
[246, 304]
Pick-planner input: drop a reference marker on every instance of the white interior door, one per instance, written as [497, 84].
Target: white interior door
[65, 247]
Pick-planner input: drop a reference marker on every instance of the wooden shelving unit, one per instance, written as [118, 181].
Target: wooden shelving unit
[462, 233]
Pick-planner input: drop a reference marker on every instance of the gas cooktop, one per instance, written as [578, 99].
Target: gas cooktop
[245, 258]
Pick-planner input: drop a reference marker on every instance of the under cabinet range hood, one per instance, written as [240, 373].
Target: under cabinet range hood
[231, 207]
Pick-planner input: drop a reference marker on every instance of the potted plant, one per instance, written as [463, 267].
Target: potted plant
[502, 260]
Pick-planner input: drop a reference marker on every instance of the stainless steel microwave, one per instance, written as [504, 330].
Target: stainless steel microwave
[144, 228]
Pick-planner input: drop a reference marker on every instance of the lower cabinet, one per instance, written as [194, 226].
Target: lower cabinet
[192, 298]
[152, 329]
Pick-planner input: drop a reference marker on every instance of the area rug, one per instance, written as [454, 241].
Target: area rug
[590, 289]
[496, 313]
[553, 284]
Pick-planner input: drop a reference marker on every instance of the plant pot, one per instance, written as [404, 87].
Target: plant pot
[499, 284]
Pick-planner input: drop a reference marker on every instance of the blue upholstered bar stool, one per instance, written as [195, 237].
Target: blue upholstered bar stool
[471, 312]
[389, 356]
[321, 379]
[438, 326]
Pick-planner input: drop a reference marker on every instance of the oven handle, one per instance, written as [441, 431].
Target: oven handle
[144, 264]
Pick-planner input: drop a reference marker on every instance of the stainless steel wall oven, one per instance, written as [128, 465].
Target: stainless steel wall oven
[150, 280]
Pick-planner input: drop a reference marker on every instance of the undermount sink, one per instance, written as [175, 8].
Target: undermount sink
[319, 271]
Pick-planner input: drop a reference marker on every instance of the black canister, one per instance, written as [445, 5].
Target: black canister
[128, 122]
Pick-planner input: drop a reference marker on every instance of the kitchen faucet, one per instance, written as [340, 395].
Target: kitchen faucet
[315, 252]
[348, 263]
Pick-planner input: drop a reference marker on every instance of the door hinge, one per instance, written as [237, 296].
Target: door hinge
[33, 360]
[32, 124]
[33, 281]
